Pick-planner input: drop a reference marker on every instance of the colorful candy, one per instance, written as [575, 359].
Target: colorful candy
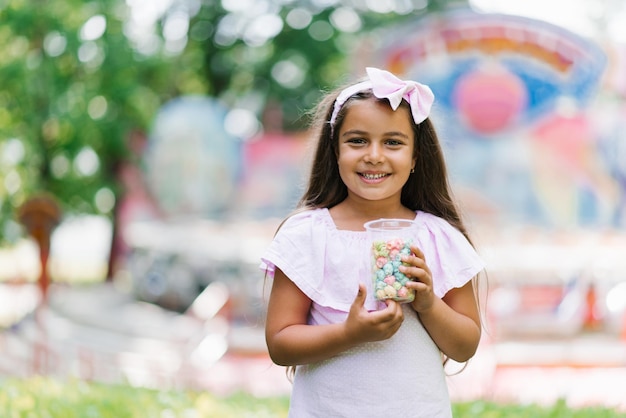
[389, 281]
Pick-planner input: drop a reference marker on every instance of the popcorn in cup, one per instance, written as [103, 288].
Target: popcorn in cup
[390, 238]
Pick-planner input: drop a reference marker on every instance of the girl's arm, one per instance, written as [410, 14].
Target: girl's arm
[290, 341]
[453, 322]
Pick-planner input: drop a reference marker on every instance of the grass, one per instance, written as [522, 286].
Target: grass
[42, 397]
[50, 398]
[559, 410]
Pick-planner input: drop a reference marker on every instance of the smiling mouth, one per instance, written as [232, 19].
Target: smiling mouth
[372, 176]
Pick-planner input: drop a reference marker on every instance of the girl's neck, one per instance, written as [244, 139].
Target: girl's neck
[351, 215]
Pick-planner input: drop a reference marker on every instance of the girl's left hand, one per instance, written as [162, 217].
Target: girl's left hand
[421, 279]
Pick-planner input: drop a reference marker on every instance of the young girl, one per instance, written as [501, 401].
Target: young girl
[378, 156]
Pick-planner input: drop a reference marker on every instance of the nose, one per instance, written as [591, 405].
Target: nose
[374, 153]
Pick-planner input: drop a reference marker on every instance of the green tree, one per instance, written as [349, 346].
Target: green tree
[78, 77]
[74, 86]
[284, 53]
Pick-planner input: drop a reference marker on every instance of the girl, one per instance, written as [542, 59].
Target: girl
[378, 156]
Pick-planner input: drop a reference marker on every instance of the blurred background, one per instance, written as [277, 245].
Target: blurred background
[149, 149]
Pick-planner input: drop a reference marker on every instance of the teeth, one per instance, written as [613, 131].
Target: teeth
[373, 176]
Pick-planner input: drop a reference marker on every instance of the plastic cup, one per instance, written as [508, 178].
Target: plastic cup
[390, 239]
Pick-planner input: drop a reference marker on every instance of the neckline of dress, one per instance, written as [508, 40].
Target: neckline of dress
[331, 222]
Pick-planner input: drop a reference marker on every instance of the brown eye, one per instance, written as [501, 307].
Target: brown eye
[356, 141]
[395, 142]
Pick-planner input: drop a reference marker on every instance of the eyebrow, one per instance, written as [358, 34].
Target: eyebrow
[359, 132]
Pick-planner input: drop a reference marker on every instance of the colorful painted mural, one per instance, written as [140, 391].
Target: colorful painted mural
[512, 108]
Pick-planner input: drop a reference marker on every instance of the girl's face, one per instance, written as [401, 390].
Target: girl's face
[375, 150]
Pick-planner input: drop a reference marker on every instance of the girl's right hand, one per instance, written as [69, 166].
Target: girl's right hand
[364, 326]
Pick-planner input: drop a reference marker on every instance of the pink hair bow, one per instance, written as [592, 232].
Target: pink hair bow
[385, 85]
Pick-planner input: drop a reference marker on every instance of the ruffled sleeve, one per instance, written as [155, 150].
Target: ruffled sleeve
[451, 258]
[290, 249]
[326, 264]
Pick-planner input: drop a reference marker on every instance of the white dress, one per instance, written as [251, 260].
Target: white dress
[400, 377]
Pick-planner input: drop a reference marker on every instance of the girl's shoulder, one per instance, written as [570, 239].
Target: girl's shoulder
[451, 257]
[437, 226]
[428, 219]
[308, 218]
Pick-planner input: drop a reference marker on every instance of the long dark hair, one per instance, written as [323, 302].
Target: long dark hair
[427, 189]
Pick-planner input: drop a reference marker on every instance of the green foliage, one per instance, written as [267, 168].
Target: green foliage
[70, 101]
[558, 410]
[43, 397]
[240, 73]
[50, 398]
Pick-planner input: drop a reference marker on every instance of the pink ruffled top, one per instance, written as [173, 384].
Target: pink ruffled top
[327, 263]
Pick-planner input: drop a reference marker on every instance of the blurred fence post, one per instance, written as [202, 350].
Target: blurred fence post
[40, 215]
